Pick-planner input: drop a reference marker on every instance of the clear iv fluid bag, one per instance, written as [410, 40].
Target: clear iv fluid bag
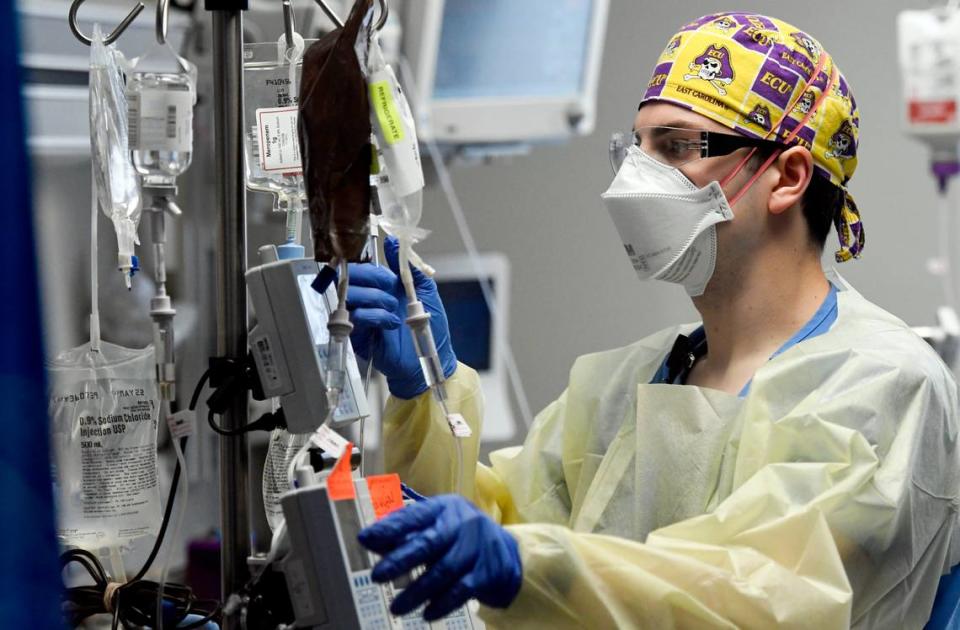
[401, 198]
[161, 93]
[271, 141]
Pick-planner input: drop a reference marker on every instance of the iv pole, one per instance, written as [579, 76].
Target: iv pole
[231, 285]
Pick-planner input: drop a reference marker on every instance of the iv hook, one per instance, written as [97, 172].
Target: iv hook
[384, 13]
[289, 25]
[163, 9]
[114, 34]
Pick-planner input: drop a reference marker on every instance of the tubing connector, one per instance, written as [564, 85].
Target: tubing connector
[340, 328]
[419, 322]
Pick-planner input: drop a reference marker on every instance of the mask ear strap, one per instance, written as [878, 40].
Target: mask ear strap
[788, 139]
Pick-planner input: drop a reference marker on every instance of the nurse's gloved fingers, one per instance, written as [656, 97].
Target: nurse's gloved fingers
[391, 249]
[421, 548]
[432, 583]
[442, 605]
[362, 340]
[374, 319]
[368, 297]
[410, 493]
[392, 530]
[375, 276]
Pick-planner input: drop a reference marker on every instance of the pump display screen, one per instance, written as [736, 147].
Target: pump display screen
[506, 48]
[350, 527]
[316, 309]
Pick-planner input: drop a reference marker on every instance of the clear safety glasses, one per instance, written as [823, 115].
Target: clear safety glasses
[676, 146]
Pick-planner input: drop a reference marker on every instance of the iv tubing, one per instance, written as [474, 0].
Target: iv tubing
[459, 482]
[406, 276]
[294, 220]
[94, 279]
[291, 53]
[375, 254]
[171, 543]
[295, 463]
[456, 208]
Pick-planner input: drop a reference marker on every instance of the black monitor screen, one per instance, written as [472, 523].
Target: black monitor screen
[470, 322]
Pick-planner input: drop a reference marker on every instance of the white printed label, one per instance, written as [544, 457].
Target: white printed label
[278, 140]
[182, 424]
[329, 440]
[283, 447]
[160, 120]
[104, 440]
[459, 426]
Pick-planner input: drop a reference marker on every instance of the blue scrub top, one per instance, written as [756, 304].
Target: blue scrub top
[677, 364]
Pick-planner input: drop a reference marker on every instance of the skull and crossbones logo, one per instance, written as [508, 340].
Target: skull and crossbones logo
[808, 43]
[841, 143]
[806, 102]
[672, 47]
[725, 23]
[714, 67]
[760, 116]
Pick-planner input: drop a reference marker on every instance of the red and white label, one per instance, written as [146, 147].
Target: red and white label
[278, 140]
[939, 112]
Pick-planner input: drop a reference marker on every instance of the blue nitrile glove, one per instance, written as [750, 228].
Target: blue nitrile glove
[467, 556]
[378, 308]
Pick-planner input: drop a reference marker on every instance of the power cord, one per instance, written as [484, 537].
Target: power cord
[229, 379]
[132, 604]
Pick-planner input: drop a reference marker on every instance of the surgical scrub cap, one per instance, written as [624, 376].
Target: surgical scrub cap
[767, 79]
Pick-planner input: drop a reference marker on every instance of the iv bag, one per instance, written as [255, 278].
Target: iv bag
[117, 189]
[929, 55]
[284, 446]
[401, 193]
[335, 141]
[161, 93]
[270, 112]
[104, 410]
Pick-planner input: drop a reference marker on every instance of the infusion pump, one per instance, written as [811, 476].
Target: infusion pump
[289, 343]
[328, 571]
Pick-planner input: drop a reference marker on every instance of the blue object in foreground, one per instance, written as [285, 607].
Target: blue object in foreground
[377, 305]
[946, 607]
[30, 581]
[468, 556]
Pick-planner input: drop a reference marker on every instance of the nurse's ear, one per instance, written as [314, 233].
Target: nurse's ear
[793, 169]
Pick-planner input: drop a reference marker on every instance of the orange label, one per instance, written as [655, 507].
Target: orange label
[340, 481]
[385, 494]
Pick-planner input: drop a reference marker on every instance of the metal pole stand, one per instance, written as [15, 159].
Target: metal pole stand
[231, 287]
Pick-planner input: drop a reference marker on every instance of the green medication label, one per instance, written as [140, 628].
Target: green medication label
[386, 108]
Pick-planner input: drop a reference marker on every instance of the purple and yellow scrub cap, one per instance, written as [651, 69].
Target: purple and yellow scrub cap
[767, 79]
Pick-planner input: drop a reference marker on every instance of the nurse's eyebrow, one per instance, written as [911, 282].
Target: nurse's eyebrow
[681, 124]
[660, 130]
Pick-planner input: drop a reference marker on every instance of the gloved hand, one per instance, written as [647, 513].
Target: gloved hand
[378, 308]
[467, 556]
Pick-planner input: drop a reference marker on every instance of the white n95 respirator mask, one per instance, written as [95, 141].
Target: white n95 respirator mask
[666, 223]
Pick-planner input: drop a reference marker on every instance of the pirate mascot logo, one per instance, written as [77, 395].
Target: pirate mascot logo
[842, 144]
[714, 67]
[806, 102]
[672, 47]
[808, 43]
[724, 24]
[760, 116]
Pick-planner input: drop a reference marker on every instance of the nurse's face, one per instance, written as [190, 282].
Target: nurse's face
[738, 239]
